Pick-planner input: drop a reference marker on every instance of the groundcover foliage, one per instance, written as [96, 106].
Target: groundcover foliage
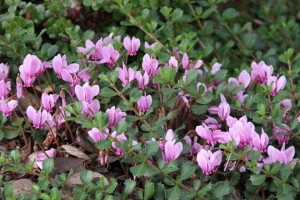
[171, 100]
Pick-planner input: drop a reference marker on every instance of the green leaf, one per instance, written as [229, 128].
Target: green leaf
[199, 109]
[104, 144]
[11, 134]
[107, 92]
[152, 149]
[191, 76]
[230, 13]
[187, 170]
[1, 134]
[135, 94]
[103, 77]
[204, 190]
[257, 179]
[275, 168]
[52, 50]
[101, 120]
[261, 109]
[122, 127]
[176, 15]
[173, 193]
[138, 170]
[166, 11]
[143, 170]
[220, 75]
[149, 190]
[15, 156]
[285, 172]
[172, 166]
[220, 89]
[129, 186]
[221, 189]
[48, 165]
[86, 176]
[206, 99]
[112, 184]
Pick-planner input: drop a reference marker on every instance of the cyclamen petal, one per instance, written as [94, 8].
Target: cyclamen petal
[126, 76]
[97, 135]
[48, 101]
[38, 118]
[150, 65]
[5, 87]
[209, 161]
[215, 68]
[3, 71]
[42, 156]
[244, 78]
[131, 46]
[29, 69]
[7, 107]
[144, 103]
[115, 116]
[223, 109]
[143, 80]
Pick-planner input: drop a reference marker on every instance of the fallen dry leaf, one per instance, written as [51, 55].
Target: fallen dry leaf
[75, 152]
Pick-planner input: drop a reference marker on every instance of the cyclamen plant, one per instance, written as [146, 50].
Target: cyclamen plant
[159, 113]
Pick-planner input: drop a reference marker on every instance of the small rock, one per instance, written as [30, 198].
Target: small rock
[22, 186]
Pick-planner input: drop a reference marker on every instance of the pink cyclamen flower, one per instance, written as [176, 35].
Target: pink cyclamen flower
[109, 55]
[260, 143]
[43, 156]
[260, 71]
[244, 78]
[281, 134]
[144, 103]
[212, 123]
[120, 138]
[173, 63]
[63, 70]
[29, 69]
[148, 46]
[209, 161]
[3, 71]
[284, 156]
[204, 132]
[195, 147]
[39, 118]
[171, 150]
[86, 92]
[215, 68]
[5, 87]
[277, 84]
[126, 75]
[150, 65]
[185, 62]
[7, 107]
[84, 75]
[143, 80]
[115, 116]
[92, 51]
[131, 45]
[48, 101]
[19, 86]
[90, 108]
[223, 108]
[286, 104]
[97, 135]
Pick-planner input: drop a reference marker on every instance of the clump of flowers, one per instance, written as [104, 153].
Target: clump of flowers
[155, 116]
